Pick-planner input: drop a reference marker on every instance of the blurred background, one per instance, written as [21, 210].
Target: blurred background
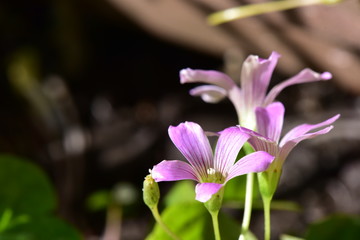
[89, 88]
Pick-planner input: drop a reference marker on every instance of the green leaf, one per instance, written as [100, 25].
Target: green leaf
[42, 228]
[7, 220]
[27, 201]
[25, 189]
[335, 227]
[235, 189]
[181, 192]
[14, 236]
[192, 221]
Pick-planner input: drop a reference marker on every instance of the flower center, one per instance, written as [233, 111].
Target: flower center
[214, 176]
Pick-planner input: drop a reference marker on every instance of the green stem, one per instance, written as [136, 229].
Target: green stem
[158, 219]
[267, 224]
[248, 198]
[214, 216]
[248, 205]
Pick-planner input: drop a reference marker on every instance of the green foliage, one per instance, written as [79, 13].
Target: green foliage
[181, 192]
[189, 218]
[335, 227]
[42, 228]
[27, 203]
[235, 190]
[192, 221]
[25, 189]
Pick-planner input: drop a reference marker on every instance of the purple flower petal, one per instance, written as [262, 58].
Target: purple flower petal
[253, 162]
[209, 93]
[228, 146]
[204, 191]
[261, 143]
[192, 142]
[289, 145]
[304, 128]
[172, 171]
[206, 76]
[269, 120]
[306, 75]
[255, 78]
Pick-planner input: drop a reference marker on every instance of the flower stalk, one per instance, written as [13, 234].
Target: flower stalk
[151, 196]
[213, 206]
[261, 8]
[248, 198]
[215, 221]
[267, 221]
[157, 217]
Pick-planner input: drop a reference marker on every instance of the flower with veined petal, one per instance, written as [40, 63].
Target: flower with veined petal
[211, 171]
[269, 122]
[255, 78]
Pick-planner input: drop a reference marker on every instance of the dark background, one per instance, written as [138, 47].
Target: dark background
[102, 92]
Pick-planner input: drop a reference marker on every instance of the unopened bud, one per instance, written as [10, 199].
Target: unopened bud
[151, 192]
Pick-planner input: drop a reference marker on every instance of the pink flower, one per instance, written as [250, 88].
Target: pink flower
[211, 171]
[269, 121]
[255, 78]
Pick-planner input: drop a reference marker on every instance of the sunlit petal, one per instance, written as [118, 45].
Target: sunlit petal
[206, 76]
[255, 78]
[228, 146]
[305, 128]
[254, 162]
[193, 143]
[204, 191]
[172, 171]
[289, 145]
[209, 93]
[269, 120]
[306, 75]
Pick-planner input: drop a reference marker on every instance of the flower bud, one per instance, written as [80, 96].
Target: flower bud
[151, 192]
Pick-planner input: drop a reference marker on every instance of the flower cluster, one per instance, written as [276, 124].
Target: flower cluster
[260, 125]
[260, 119]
